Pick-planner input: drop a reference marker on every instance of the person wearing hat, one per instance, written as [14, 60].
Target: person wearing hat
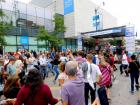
[11, 69]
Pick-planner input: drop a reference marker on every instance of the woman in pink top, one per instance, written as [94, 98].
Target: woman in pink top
[106, 76]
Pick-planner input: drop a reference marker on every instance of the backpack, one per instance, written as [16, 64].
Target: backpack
[84, 68]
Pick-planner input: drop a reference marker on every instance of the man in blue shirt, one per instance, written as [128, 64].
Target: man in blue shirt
[11, 69]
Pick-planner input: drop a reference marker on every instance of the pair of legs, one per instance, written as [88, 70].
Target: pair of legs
[124, 67]
[50, 68]
[108, 93]
[134, 78]
[88, 89]
[56, 70]
[44, 71]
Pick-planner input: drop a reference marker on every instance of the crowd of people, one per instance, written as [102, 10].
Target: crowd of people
[81, 76]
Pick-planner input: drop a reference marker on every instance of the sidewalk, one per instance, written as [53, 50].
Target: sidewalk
[120, 91]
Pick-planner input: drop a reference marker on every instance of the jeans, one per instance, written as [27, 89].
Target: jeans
[123, 67]
[92, 93]
[134, 77]
[44, 71]
[50, 68]
[56, 70]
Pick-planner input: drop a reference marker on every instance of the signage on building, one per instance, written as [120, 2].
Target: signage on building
[130, 44]
[68, 6]
[130, 39]
[129, 31]
[97, 21]
[24, 40]
[104, 32]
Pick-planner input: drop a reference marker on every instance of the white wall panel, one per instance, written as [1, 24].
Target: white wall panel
[69, 21]
[84, 16]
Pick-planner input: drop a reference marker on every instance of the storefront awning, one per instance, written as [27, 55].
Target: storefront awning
[106, 33]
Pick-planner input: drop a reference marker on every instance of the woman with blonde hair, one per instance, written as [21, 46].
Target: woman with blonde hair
[11, 87]
[106, 71]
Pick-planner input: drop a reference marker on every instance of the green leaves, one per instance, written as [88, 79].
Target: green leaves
[4, 27]
[55, 38]
[59, 23]
[51, 37]
[43, 34]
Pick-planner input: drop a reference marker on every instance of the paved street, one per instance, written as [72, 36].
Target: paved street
[119, 92]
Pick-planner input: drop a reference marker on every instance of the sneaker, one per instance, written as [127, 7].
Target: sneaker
[132, 92]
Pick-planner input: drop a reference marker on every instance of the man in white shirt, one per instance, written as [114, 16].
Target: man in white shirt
[90, 73]
[124, 64]
[43, 64]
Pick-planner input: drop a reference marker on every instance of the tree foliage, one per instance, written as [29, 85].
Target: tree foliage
[54, 38]
[4, 27]
[59, 23]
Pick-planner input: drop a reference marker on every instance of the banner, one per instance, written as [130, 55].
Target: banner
[129, 32]
[130, 39]
[24, 40]
[97, 21]
[68, 6]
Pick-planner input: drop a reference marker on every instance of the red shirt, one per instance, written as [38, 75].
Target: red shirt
[43, 96]
[106, 75]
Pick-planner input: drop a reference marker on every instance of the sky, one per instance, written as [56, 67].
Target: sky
[126, 11]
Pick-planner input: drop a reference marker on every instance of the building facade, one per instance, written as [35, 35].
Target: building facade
[82, 16]
[79, 16]
[26, 19]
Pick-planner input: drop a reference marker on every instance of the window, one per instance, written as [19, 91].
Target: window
[10, 48]
[11, 40]
[32, 41]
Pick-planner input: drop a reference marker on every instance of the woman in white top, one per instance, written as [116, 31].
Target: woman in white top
[62, 76]
[30, 61]
[6, 60]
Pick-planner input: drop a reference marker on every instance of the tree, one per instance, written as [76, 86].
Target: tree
[54, 38]
[51, 37]
[59, 23]
[4, 27]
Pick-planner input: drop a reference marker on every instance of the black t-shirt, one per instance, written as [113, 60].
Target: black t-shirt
[55, 62]
[134, 67]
